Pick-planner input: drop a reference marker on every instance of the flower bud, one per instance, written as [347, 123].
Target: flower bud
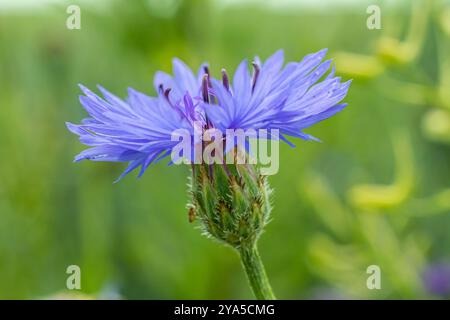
[230, 201]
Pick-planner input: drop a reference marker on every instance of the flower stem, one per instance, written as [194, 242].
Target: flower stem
[256, 274]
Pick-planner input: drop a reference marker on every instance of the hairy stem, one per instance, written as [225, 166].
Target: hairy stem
[256, 274]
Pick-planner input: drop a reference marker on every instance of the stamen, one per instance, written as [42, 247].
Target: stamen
[256, 71]
[206, 70]
[205, 88]
[225, 80]
[166, 93]
[161, 88]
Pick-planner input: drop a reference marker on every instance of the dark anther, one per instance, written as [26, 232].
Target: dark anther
[256, 70]
[225, 79]
[206, 70]
[205, 86]
[166, 93]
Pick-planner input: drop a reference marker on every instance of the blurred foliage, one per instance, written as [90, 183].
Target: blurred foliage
[375, 192]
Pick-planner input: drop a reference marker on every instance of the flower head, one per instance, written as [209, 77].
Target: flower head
[139, 130]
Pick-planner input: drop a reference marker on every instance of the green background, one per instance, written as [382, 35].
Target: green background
[376, 191]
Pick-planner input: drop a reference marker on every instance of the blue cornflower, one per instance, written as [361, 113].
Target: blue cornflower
[232, 202]
[139, 129]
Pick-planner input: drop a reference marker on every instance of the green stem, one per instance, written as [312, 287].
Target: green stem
[256, 274]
